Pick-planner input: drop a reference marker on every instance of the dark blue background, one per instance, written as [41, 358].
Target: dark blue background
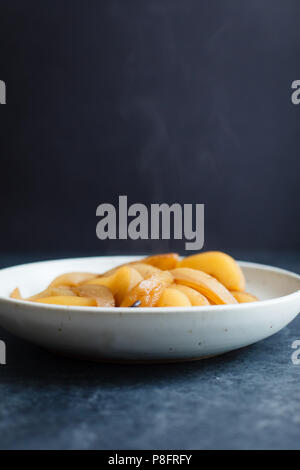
[162, 100]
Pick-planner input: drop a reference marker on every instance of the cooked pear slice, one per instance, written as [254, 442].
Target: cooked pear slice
[145, 270]
[53, 291]
[165, 261]
[172, 297]
[16, 294]
[243, 297]
[68, 300]
[101, 294]
[72, 279]
[194, 296]
[205, 284]
[219, 265]
[120, 282]
[149, 290]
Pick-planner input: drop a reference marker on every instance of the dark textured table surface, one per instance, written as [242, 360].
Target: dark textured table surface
[247, 399]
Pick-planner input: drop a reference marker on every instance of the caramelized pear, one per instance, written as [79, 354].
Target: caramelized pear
[219, 265]
[72, 279]
[205, 284]
[149, 290]
[101, 294]
[68, 300]
[16, 294]
[194, 296]
[243, 297]
[165, 261]
[172, 297]
[119, 282]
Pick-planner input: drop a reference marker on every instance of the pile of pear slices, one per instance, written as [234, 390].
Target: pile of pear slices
[208, 278]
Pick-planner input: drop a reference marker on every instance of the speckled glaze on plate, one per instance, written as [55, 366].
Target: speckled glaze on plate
[148, 334]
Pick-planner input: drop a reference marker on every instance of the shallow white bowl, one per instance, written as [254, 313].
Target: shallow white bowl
[147, 334]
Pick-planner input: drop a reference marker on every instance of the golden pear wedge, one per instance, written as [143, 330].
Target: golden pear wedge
[145, 270]
[243, 297]
[219, 265]
[193, 295]
[172, 297]
[165, 261]
[205, 284]
[148, 291]
[68, 300]
[16, 294]
[71, 279]
[120, 282]
[101, 294]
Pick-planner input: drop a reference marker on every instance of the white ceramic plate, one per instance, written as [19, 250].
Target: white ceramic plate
[147, 334]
